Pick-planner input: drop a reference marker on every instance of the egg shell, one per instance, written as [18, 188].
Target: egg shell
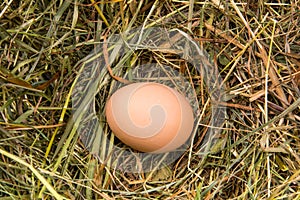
[150, 117]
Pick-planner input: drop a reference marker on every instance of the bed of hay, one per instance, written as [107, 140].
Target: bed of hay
[255, 45]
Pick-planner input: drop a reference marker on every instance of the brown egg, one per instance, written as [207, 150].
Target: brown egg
[150, 117]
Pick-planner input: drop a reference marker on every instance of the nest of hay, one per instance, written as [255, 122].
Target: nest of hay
[254, 46]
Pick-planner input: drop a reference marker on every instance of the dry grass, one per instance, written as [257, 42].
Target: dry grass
[254, 45]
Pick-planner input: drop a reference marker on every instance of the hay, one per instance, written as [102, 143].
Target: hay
[255, 47]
